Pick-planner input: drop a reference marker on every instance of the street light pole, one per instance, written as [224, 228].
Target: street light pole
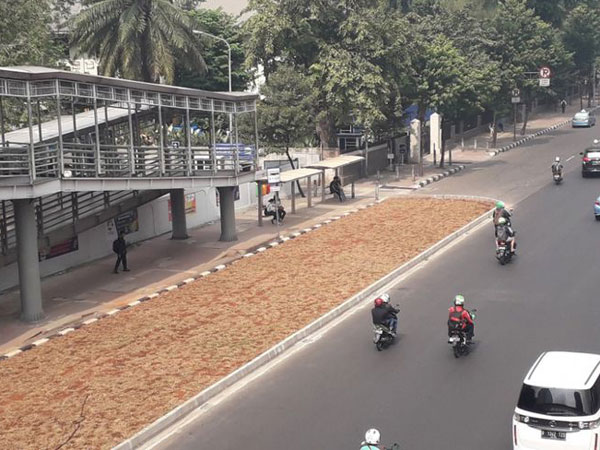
[229, 65]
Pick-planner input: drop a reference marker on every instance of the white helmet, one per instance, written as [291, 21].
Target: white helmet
[372, 436]
[596, 142]
[385, 298]
[557, 159]
[459, 300]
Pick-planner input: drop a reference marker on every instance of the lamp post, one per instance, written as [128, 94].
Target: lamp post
[229, 61]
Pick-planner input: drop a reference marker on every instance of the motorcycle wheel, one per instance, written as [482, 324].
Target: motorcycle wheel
[379, 345]
[456, 351]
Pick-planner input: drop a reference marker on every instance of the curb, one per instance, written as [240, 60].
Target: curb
[534, 135]
[66, 329]
[438, 176]
[529, 138]
[190, 405]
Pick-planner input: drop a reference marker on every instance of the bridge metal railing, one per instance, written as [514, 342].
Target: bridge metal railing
[90, 160]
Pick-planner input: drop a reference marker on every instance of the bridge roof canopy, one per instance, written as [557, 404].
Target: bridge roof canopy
[35, 81]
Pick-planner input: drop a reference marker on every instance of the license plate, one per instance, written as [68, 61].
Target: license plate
[556, 435]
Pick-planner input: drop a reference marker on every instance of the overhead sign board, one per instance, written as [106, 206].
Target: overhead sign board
[545, 72]
[273, 175]
[544, 82]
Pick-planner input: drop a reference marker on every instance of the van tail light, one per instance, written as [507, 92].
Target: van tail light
[586, 159]
[515, 435]
[597, 203]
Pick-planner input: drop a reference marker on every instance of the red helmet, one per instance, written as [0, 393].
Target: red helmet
[378, 301]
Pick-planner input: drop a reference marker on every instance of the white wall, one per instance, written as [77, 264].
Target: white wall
[153, 219]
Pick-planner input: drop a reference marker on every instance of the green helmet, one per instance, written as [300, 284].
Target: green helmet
[499, 204]
[459, 300]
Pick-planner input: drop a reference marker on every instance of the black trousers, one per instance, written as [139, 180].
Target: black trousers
[121, 257]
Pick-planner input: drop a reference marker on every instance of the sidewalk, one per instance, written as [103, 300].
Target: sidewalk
[484, 150]
[93, 289]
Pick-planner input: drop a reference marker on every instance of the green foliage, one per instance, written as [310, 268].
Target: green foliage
[137, 39]
[582, 36]
[26, 36]
[286, 112]
[216, 77]
[523, 44]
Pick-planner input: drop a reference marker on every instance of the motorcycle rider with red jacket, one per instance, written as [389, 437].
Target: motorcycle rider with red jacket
[460, 318]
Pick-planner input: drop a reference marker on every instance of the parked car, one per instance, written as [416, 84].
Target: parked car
[590, 163]
[583, 119]
[597, 208]
[559, 404]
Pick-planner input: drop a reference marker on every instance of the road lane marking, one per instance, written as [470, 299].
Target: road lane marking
[570, 158]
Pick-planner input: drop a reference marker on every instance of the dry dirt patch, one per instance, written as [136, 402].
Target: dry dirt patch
[101, 384]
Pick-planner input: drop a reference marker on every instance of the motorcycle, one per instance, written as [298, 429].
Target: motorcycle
[458, 339]
[557, 178]
[503, 253]
[383, 336]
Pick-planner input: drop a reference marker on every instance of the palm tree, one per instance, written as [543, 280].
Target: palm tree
[138, 39]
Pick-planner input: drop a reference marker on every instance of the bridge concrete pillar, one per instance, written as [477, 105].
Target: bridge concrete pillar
[28, 260]
[178, 220]
[226, 202]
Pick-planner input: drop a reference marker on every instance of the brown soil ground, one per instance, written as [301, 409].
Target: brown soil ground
[103, 383]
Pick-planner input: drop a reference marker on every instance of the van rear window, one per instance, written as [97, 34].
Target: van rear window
[558, 402]
[593, 154]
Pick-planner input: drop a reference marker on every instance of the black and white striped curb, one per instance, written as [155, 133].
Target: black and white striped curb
[63, 331]
[534, 135]
[175, 415]
[438, 176]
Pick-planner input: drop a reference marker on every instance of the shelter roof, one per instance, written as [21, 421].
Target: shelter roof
[296, 174]
[337, 162]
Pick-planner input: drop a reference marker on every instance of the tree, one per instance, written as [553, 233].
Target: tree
[351, 48]
[137, 39]
[286, 111]
[26, 36]
[582, 37]
[216, 77]
[523, 43]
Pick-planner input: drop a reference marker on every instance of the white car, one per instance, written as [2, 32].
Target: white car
[559, 404]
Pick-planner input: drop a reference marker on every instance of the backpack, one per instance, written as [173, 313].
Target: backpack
[116, 246]
[502, 234]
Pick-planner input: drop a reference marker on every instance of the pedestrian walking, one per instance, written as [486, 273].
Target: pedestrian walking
[120, 248]
[563, 105]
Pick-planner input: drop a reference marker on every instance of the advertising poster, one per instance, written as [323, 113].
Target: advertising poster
[62, 248]
[190, 205]
[127, 222]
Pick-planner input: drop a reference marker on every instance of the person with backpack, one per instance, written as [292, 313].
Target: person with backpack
[459, 318]
[120, 248]
[505, 233]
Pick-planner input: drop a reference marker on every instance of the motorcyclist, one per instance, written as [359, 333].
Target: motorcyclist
[499, 212]
[381, 314]
[504, 232]
[372, 438]
[557, 167]
[459, 318]
[392, 319]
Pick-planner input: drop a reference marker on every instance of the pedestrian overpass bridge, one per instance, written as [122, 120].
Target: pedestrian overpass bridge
[68, 139]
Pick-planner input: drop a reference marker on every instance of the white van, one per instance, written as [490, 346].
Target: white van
[559, 404]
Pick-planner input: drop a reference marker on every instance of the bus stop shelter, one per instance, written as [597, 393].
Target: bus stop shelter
[289, 176]
[335, 164]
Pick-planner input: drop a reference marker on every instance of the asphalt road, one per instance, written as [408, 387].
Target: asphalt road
[326, 395]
